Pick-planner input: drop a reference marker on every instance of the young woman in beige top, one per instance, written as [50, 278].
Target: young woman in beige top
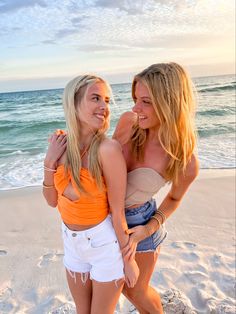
[158, 142]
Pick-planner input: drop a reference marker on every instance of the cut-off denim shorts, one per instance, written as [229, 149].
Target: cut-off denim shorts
[95, 252]
[140, 216]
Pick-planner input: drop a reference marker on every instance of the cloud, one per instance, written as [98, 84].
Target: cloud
[66, 32]
[129, 6]
[141, 6]
[77, 20]
[15, 5]
[102, 48]
[49, 42]
[177, 41]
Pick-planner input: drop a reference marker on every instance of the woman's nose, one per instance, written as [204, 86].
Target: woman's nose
[103, 105]
[136, 107]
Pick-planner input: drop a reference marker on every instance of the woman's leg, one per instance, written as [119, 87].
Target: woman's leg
[81, 290]
[106, 296]
[143, 296]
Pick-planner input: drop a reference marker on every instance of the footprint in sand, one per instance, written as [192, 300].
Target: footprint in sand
[217, 260]
[183, 245]
[196, 276]
[5, 305]
[65, 308]
[190, 257]
[46, 259]
[5, 293]
[3, 252]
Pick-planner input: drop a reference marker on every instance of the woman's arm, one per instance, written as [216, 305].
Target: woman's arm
[167, 207]
[115, 174]
[55, 150]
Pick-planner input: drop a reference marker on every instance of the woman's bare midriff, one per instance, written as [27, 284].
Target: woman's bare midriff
[134, 206]
[73, 227]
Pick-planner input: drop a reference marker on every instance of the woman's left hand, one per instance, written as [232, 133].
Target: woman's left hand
[137, 234]
[57, 146]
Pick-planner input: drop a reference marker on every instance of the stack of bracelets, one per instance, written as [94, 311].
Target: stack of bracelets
[160, 217]
[48, 170]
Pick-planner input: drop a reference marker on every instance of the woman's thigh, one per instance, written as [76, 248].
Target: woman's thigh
[106, 296]
[81, 290]
[146, 263]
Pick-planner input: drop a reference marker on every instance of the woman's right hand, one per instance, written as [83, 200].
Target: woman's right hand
[131, 272]
[57, 146]
[136, 234]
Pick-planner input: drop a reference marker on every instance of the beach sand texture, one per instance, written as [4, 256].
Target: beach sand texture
[195, 272]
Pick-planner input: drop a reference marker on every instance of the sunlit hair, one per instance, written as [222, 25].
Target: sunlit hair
[74, 94]
[171, 93]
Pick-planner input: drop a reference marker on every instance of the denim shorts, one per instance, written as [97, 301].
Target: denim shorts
[140, 216]
[94, 251]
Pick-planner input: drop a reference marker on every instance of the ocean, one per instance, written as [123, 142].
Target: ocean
[28, 118]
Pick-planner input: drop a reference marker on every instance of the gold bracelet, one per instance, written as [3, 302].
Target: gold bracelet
[159, 223]
[162, 215]
[48, 186]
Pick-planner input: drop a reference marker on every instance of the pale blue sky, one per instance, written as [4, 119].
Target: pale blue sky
[46, 42]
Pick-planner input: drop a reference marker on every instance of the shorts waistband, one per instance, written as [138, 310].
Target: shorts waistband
[91, 231]
[139, 209]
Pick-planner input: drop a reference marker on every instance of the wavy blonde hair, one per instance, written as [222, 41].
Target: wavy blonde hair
[171, 93]
[74, 94]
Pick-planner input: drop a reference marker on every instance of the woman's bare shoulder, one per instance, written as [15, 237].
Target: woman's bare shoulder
[128, 117]
[124, 127]
[109, 145]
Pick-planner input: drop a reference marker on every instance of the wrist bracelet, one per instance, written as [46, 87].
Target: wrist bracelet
[48, 186]
[157, 219]
[49, 169]
[163, 216]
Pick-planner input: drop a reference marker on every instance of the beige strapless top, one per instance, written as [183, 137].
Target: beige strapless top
[142, 184]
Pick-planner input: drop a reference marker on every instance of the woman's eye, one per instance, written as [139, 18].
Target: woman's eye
[146, 102]
[96, 98]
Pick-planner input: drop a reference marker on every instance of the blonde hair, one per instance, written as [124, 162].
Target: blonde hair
[171, 93]
[74, 94]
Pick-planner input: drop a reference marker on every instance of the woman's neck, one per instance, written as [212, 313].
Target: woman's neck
[86, 137]
[152, 136]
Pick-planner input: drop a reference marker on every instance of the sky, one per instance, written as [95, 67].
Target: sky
[45, 43]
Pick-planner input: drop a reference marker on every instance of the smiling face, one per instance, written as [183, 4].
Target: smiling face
[147, 117]
[93, 109]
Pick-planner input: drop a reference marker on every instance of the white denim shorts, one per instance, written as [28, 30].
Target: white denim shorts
[95, 251]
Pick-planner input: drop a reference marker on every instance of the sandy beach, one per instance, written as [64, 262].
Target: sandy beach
[195, 272]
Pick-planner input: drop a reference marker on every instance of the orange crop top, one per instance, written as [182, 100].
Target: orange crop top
[88, 209]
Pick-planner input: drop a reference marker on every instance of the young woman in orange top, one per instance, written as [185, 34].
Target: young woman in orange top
[158, 142]
[85, 176]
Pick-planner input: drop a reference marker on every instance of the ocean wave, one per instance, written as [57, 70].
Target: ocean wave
[227, 110]
[13, 153]
[206, 131]
[226, 87]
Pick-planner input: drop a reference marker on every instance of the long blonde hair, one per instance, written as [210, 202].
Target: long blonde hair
[171, 93]
[74, 94]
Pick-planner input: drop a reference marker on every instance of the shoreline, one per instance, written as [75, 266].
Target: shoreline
[202, 172]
